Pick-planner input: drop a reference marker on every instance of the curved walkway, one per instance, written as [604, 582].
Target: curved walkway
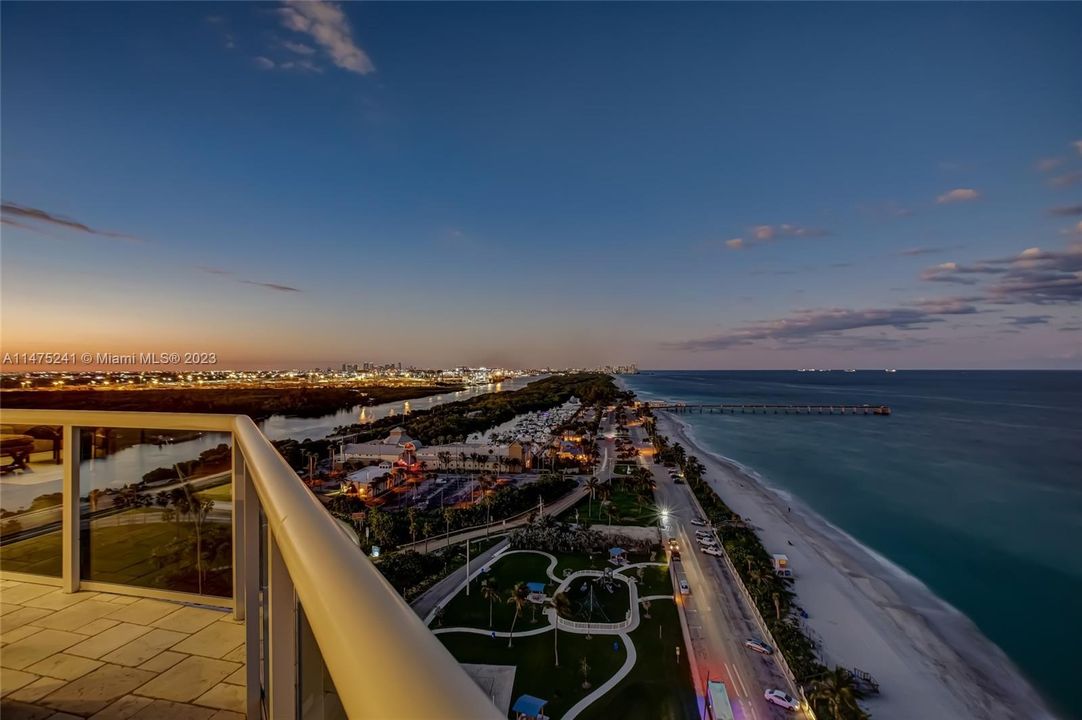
[651, 598]
[479, 631]
[618, 628]
[609, 684]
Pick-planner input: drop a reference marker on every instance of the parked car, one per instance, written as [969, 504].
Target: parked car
[698, 522]
[678, 481]
[711, 550]
[675, 554]
[684, 589]
[781, 699]
[758, 646]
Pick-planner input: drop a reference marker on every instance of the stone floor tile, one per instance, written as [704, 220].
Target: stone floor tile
[96, 690]
[144, 647]
[143, 611]
[64, 716]
[162, 661]
[20, 655]
[187, 619]
[188, 679]
[37, 689]
[20, 617]
[58, 599]
[108, 640]
[239, 655]
[123, 599]
[11, 680]
[166, 710]
[5, 608]
[240, 677]
[18, 634]
[77, 615]
[215, 640]
[22, 592]
[123, 708]
[13, 710]
[64, 666]
[97, 626]
[223, 696]
[226, 715]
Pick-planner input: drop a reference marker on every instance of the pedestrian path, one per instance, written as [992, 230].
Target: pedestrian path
[609, 684]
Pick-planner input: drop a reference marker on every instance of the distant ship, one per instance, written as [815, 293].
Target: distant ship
[890, 370]
[850, 370]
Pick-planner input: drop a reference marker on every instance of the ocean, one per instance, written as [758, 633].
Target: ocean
[973, 486]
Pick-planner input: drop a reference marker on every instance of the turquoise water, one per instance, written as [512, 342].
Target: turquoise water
[973, 485]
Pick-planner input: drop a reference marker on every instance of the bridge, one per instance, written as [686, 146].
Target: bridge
[768, 409]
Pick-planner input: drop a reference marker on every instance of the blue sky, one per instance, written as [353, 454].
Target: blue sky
[678, 185]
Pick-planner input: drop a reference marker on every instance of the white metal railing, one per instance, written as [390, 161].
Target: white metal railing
[382, 659]
[609, 627]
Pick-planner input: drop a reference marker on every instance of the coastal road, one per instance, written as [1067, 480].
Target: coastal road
[718, 617]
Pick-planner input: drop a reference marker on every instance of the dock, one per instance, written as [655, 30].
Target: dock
[769, 409]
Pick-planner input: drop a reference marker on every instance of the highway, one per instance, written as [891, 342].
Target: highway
[718, 617]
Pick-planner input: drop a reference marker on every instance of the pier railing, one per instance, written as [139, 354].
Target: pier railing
[772, 408]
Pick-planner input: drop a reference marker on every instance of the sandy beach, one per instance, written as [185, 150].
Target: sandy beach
[929, 659]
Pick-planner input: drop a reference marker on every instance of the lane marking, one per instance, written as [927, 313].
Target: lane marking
[740, 679]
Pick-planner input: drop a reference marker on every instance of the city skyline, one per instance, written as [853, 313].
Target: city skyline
[675, 186]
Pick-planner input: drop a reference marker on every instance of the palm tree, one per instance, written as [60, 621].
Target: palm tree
[593, 484]
[518, 596]
[490, 591]
[584, 670]
[836, 690]
[559, 603]
[426, 530]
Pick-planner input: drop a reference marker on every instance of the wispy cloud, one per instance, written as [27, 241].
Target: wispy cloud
[958, 195]
[1078, 146]
[1065, 180]
[917, 251]
[1034, 276]
[830, 324]
[263, 63]
[30, 218]
[299, 48]
[1048, 164]
[327, 25]
[222, 272]
[272, 286]
[1028, 319]
[766, 233]
[1066, 210]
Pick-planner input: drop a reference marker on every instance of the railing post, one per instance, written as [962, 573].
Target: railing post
[248, 587]
[241, 570]
[69, 518]
[281, 649]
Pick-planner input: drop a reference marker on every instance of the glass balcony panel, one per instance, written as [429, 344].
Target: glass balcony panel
[31, 479]
[157, 509]
[317, 698]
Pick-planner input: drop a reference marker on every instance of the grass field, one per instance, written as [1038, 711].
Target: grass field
[222, 492]
[624, 509]
[537, 674]
[472, 611]
[657, 688]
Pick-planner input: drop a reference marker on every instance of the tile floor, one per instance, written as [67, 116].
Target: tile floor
[107, 656]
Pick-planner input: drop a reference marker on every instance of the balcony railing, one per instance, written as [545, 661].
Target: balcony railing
[203, 509]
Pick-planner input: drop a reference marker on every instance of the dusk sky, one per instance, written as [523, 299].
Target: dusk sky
[675, 185]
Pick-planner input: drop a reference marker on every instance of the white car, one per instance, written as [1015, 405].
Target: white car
[700, 523]
[711, 550]
[781, 699]
[758, 646]
[684, 589]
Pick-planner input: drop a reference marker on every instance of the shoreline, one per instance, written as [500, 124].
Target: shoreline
[930, 659]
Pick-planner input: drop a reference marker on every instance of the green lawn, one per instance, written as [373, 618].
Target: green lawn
[472, 611]
[624, 509]
[657, 688]
[222, 492]
[655, 580]
[536, 673]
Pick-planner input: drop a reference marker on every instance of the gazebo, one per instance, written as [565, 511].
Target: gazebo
[537, 594]
[617, 556]
[528, 707]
